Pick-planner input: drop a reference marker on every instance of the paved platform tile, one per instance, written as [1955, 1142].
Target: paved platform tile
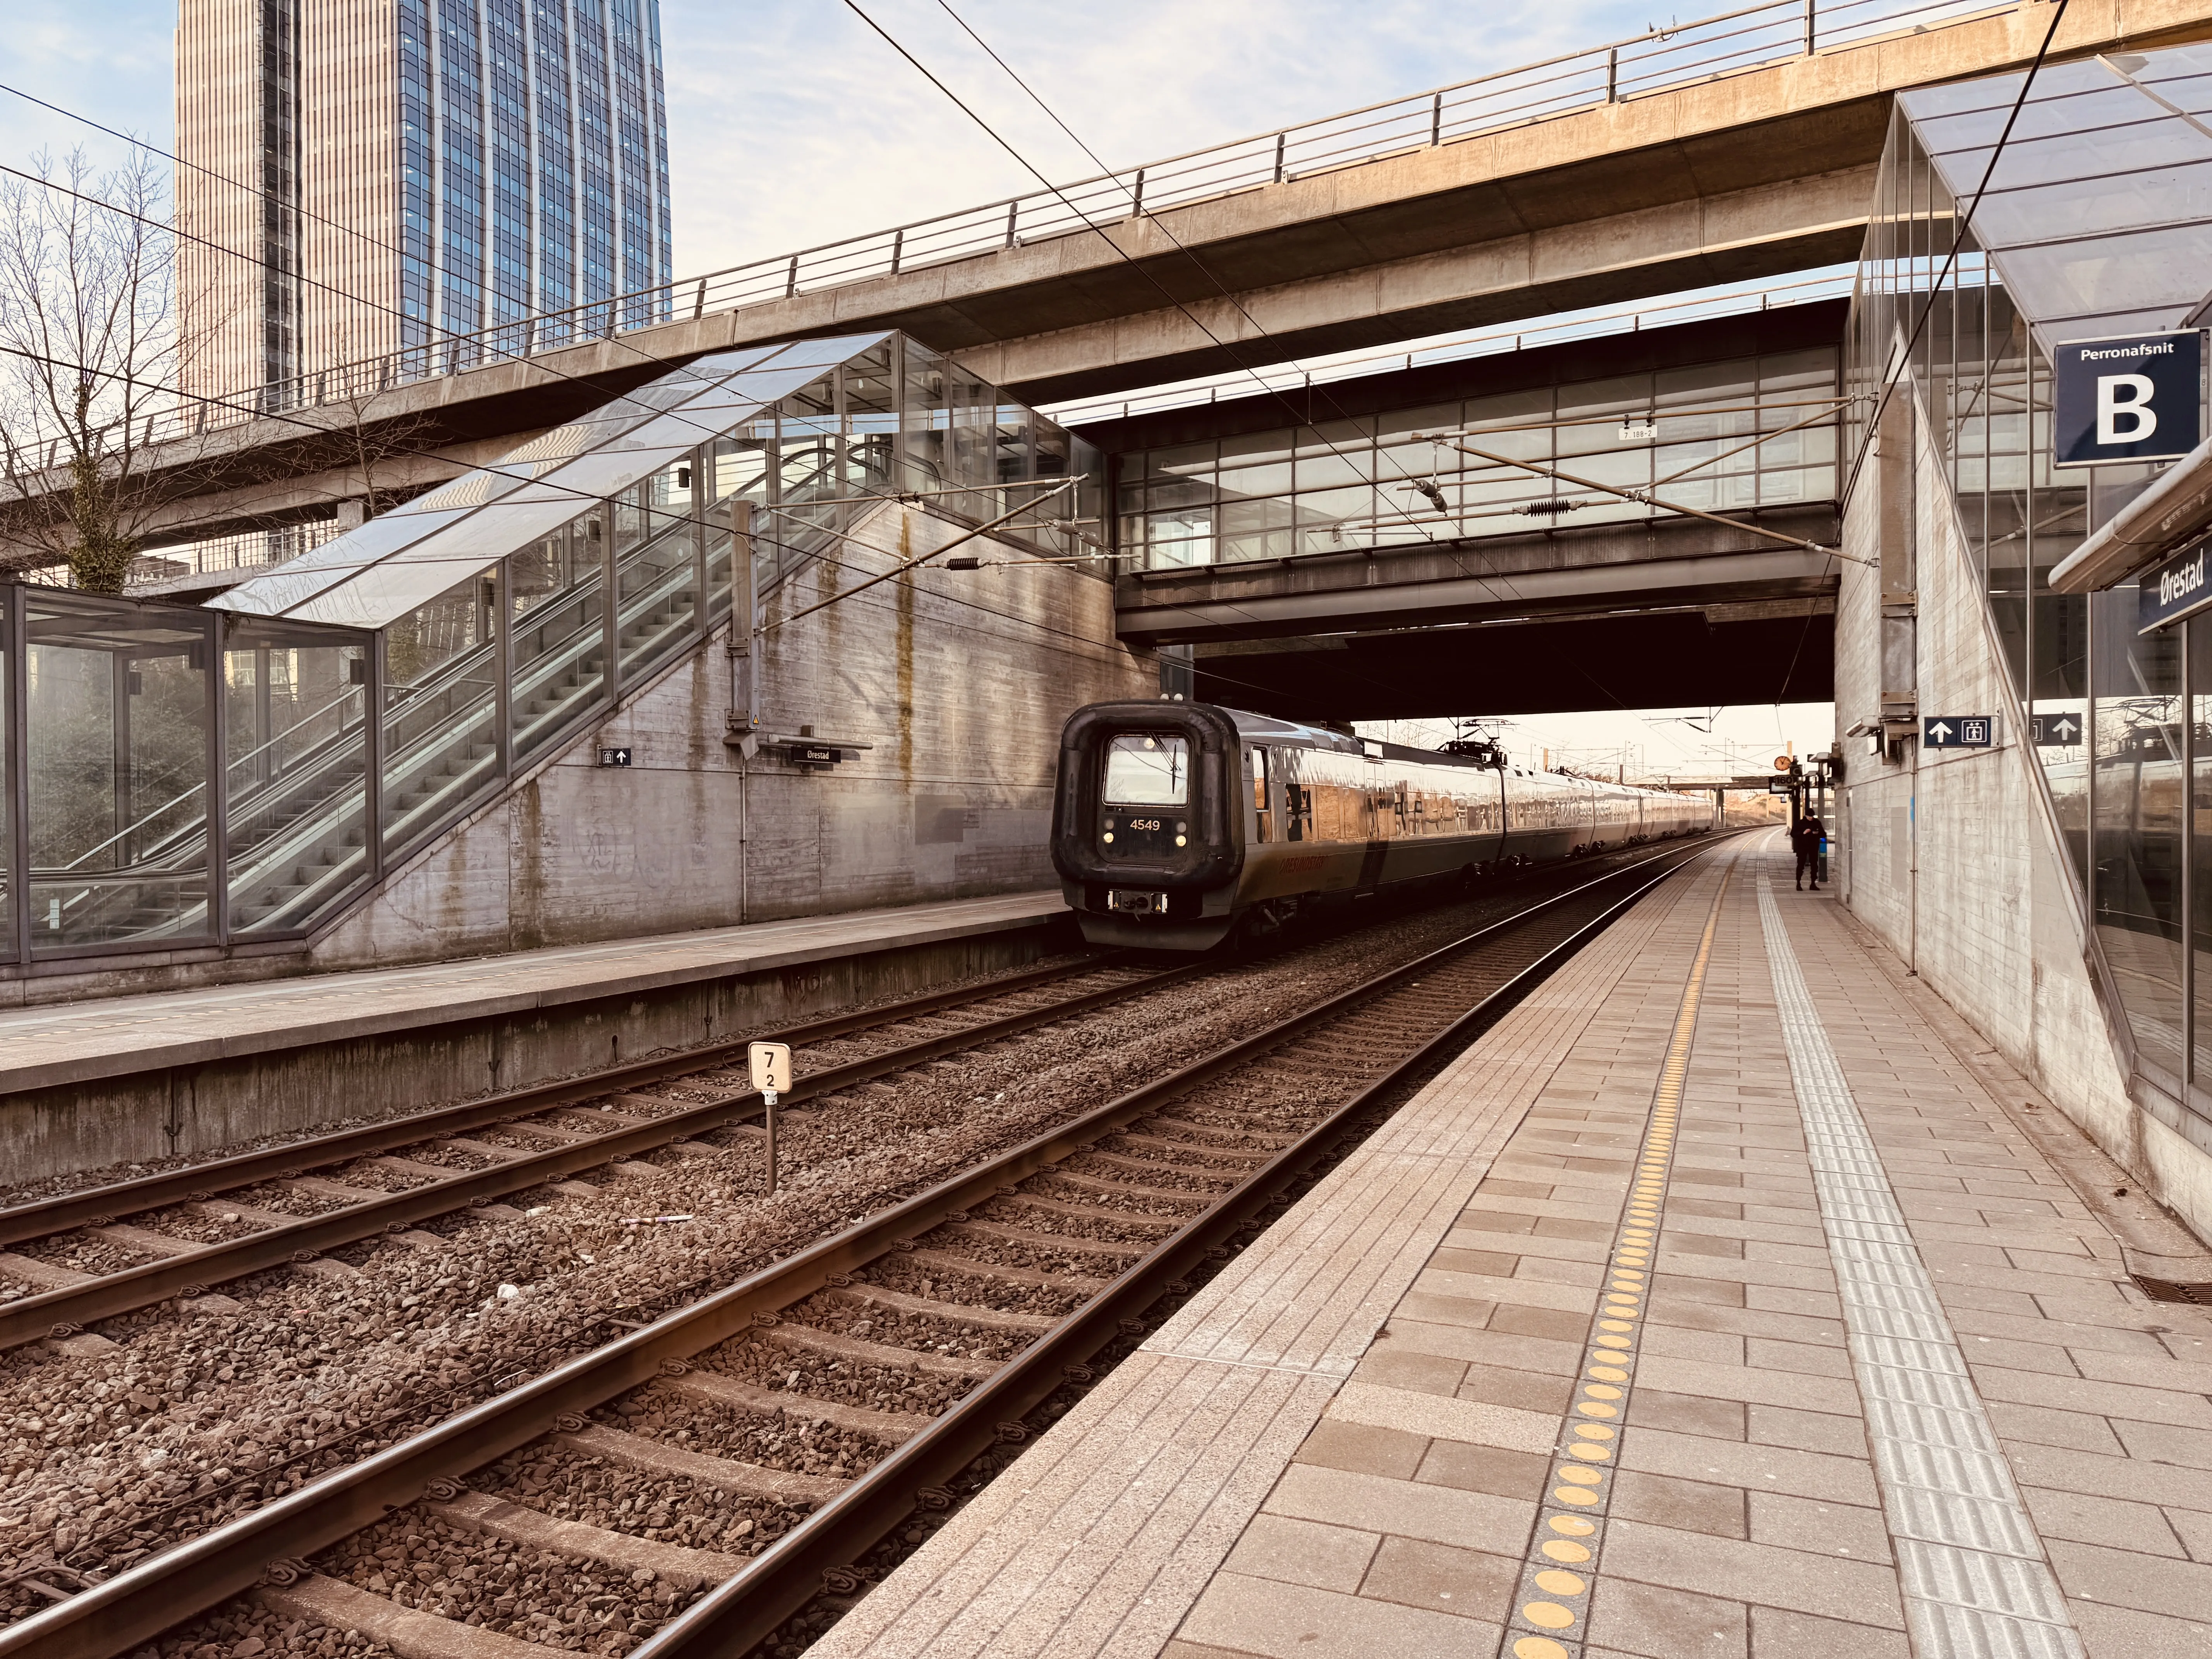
[1415, 1339]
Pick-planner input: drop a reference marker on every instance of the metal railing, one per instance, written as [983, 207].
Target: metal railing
[1713, 48]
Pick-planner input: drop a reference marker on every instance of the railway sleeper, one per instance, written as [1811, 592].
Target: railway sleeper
[1228, 1178]
[483, 1148]
[879, 1296]
[1244, 1157]
[145, 1240]
[481, 1512]
[892, 1428]
[217, 1209]
[944, 1262]
[1090, 1213]
[408, 1166]
[1266, 1141]
[1062, 1243]
[1130, 1189]
[728, 1474]
[547, 1133]
[808, 1339]
[334, 1603]
[324, 1187]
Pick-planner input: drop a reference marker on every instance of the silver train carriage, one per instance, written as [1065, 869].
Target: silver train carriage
[1175, 824]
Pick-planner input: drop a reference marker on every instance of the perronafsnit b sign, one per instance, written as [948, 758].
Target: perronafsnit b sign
[2132, 398]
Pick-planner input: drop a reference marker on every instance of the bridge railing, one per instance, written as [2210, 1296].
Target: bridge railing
[1711, 48]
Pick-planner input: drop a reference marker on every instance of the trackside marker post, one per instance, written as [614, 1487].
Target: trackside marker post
[771, 1075]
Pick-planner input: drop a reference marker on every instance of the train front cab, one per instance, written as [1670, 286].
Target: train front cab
[1144, 836]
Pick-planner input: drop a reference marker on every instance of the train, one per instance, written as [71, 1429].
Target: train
[1177, 825]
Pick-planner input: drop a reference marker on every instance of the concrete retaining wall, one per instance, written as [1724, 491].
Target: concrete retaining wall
[960, 679]
[1955, 862]
[164, 1111]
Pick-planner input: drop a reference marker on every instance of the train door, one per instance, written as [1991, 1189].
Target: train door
[1380, 799]
[1260, 827]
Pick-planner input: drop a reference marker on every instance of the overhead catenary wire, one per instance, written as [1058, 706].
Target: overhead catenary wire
[1086, 640]
[1299, 418]
[208, 401]
[491, 468]
[1904, 357]
[494, 470]
[447, 335]
[1964, 225]
[170, 229]
[921, 559]
[1242, 311]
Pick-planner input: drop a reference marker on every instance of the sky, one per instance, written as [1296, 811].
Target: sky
[792, 124]
[1649, 743]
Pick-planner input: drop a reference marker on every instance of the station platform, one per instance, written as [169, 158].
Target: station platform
[77, 1042]
[1883, 1387]
[130, 1079]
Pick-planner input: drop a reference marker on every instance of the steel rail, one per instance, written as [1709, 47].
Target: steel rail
[123, 1613]
[97, 1205]
[64, 1311]
[747, 1607]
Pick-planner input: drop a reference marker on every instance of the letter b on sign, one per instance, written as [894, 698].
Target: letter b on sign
[2133, 398]
[2124, 415]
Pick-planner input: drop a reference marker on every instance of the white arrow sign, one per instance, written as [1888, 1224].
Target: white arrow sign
[2066, 728]
[1939, 731]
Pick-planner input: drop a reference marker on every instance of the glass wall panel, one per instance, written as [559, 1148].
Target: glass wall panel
[975, 421]
[10, 889]
[2136, 886]
[657, 582]
[557, 600]
[811, 467]
[925, 417]
[1695, 433]
[2200, 846]
[871, 418]
[117, 719]
[440, 714]
[295, 768]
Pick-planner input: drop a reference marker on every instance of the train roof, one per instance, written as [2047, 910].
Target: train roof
[1266, 728]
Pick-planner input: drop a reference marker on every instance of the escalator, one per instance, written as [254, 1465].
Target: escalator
[297, 805]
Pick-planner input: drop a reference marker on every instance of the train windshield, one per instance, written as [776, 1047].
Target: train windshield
[1147, 771]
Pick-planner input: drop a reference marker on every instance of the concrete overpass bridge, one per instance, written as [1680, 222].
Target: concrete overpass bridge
[1589, 599]
[1736, 148]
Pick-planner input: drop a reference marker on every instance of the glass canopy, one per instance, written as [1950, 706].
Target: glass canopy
[854, 414]
[2096, 219]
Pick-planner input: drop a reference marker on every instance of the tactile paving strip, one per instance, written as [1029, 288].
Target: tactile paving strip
[1968, 1560]
[1550, 1605]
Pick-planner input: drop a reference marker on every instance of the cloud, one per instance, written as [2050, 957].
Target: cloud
[796, 124]
[108, 59]
[792, 125]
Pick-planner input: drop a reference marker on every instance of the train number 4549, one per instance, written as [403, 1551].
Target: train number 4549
[1143, 824]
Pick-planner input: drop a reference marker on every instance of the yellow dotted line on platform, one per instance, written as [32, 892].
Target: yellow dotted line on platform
[1563, 1556]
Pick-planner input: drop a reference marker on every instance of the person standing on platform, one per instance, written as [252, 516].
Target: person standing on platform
[1806, 834]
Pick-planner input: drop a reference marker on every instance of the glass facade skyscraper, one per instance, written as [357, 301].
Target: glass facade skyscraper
[371, 177]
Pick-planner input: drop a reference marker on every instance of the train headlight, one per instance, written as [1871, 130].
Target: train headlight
[1180, 839]
[1109, 835]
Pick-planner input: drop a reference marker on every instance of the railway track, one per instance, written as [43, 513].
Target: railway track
[793, 1433]
[291, 1204]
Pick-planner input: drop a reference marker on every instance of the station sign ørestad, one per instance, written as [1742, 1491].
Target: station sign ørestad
[2129, 398]
[2173, 589]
